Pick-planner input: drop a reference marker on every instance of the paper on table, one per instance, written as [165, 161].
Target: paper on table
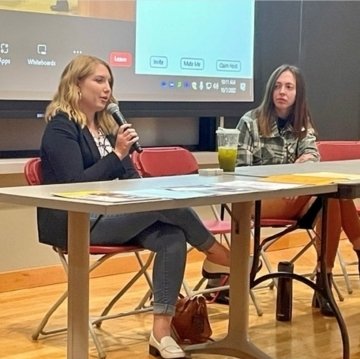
[109, 197]
[258, 185]
[314, 178]
[333, 175]
[233, 187]
[181, 192]
[133, 196]
[173, 192]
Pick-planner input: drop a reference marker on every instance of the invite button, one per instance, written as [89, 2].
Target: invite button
[158, 61]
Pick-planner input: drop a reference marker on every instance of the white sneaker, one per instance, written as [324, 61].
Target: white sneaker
[166, 349]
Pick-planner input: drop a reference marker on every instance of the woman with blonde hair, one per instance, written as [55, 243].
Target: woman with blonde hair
[83, 143]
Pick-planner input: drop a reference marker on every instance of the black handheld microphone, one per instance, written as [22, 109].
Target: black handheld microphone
[114, 111]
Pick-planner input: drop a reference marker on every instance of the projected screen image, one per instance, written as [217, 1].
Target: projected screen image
[159, 50]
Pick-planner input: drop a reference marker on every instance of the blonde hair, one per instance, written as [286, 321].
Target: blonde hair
[67, 97]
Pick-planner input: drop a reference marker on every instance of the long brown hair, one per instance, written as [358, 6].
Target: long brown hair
[67, 97]
[300, 116]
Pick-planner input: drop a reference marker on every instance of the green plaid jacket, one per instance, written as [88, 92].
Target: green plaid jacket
[279, 148]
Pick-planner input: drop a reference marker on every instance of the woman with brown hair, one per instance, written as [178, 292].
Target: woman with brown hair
[281, 131]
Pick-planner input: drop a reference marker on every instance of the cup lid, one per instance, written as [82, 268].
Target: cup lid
[222, 130]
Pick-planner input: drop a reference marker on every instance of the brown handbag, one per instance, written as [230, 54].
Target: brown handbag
[190, 323]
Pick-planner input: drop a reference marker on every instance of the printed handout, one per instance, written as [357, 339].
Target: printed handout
[177, 192]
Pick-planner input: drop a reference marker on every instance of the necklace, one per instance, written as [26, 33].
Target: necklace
[102, 142]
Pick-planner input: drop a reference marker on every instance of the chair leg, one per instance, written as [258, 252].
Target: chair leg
[105, 313]
[337, 290]
[256, 304]
[98, 345]
[303, 250]
[199, 284]
[140, 308]
[40, 329]
[263, 255]
[143, 301]
[345, 273]
[310, 244]
[145, 266]
[188, 291]
[226, 239]
[196, 290]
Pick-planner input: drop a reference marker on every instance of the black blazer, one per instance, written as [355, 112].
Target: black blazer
[69, 154]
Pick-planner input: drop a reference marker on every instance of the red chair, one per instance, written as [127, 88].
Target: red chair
[338, 150]
[283, 226]
[172, 161]
[335, 151]
[32, 172]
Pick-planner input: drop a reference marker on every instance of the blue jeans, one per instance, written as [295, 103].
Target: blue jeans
[166, 233]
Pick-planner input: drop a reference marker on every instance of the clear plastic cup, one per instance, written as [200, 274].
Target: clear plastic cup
[227, 139]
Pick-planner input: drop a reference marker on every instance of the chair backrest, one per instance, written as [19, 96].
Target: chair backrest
[164, 161]
[339, 150]
[32, 171]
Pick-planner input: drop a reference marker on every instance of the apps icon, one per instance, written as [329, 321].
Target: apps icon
[4, 48]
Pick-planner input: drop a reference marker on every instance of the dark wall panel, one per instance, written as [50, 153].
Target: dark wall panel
[330, 58]
[323, 39]
[276, 39]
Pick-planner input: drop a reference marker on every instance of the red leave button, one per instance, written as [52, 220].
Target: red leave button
[120, 59]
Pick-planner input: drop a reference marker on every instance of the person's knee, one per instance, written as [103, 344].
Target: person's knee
[165, 238]
[174, 240]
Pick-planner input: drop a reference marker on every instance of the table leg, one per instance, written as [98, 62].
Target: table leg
[78, 286]
[327, 290]
[237, 343]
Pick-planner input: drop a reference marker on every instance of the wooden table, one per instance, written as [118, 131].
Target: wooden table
[237, 342]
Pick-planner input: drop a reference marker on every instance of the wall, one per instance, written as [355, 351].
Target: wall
[25, 134]
[322, 38]
[330, 57]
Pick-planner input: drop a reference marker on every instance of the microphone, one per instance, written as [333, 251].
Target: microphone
[114, 110]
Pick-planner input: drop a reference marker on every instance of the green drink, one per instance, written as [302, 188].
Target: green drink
[227, 158]
[228, 139]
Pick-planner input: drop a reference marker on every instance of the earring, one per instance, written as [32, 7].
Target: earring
[79, 94]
